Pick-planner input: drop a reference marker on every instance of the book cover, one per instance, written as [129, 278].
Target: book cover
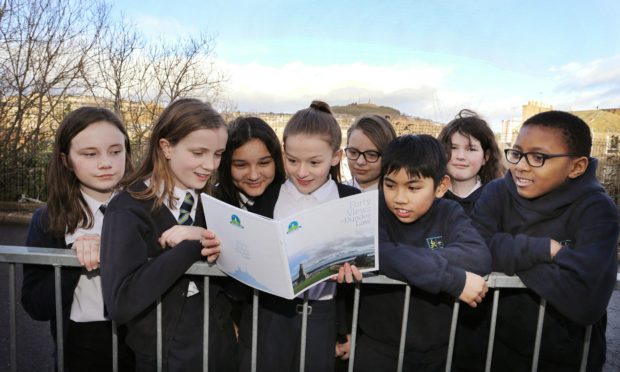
[286, 257]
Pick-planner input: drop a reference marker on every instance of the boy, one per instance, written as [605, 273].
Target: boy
[427, 242]
[550, 222]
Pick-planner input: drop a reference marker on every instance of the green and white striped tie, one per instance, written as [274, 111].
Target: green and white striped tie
[184, 217]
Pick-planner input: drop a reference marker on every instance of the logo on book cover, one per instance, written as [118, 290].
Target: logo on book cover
[294, 225]
[435, 242]
[234, 220]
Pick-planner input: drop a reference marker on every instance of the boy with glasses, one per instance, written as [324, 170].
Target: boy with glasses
[549, 222]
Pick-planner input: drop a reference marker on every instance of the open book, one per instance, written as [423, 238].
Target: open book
[289, 256]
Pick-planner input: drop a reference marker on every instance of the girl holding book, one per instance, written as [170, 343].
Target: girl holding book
[312, 156]
[155, 232]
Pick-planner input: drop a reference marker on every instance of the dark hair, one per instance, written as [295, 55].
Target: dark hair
[241, 131]
[469, 124]
[178, 120]
[420, 155]
[317, 120]
[576, 132]
[66, 207]
[377, 128]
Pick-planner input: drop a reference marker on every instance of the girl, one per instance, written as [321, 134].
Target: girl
[473, 157]
[251, 163]
[155, 232]
[473, 161]
[91, 156]
[312, 140]
[367, 138]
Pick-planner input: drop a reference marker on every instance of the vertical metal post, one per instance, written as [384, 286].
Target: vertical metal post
[487, 367]
[254, 329]
[539, 326]
[455, 318]
[12, 317]
[403, 329]
[304, 329]
[114, 347]
[356, 306]
[60, 350]
[586, 348]
[160, 347]
[205, 338]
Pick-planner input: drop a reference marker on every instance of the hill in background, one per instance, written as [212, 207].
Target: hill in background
[357, 109]
[403, 124]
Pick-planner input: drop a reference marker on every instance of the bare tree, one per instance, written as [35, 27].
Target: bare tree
[57, 55]
[45, 44]
[111, 73]
[167, 71]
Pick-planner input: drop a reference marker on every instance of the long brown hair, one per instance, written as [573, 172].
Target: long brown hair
[469, 124]
[178, 120]
[317, 120]
[66, 207]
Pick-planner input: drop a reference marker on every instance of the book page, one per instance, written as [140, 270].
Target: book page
[321, 239]
[251, 248]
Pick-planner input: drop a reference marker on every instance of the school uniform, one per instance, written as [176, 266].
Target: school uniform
[136, 271]
[353, 183]
[577, 283]
[87, 333]
[432, 255]
[474, 323]
[279, 320]
[466, 201]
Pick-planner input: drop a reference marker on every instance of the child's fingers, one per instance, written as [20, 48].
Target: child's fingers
[357, 275]
[79, 252]
[211, 253]
[210, 243]
[207, 234]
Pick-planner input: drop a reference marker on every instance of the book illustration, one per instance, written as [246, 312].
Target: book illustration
[313, 266]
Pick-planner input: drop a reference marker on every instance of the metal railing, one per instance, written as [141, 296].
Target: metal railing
[58, 258]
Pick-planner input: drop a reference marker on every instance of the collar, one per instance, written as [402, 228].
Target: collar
[321, 194]
[179, 195]
[374, 186]
[94, 204]
[476, 187]
[245, 201]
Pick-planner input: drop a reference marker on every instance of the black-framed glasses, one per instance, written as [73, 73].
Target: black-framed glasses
[534, 159]
[371, 156]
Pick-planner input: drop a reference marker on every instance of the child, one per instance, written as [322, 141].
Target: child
[312, 140]
[550, 222]
[427, 242]
[367, 139]
[251, 163]
[149, 243]
[473, 161]
[91, 156]
[473, 157]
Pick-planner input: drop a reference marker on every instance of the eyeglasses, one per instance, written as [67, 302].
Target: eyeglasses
[534, 159]
[371, 156]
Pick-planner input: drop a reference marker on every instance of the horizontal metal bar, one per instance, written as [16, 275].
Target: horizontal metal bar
[66, 257]
[501, 280]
